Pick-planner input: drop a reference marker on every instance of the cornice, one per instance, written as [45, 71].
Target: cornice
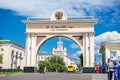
[29, 22]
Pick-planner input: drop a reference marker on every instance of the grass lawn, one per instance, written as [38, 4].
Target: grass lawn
[11, 73]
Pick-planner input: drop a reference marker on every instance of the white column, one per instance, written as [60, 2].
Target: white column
[107, 53]
[91, 36]
[28, 48]
[83, 51]
[86, 45]
[18, 60]
[33, 60]
[14, 61]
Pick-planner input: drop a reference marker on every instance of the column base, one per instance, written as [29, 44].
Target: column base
[30, 69]
[88, 69]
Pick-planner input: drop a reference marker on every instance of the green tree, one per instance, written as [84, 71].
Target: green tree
[1, 58]
[61, 68]
[81, 59]
[56, 60]
[102, 51]
[53, 63]
[57, 63]
[43, 64]
[80, 65]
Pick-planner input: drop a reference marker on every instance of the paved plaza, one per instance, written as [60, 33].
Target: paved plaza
[55, 76]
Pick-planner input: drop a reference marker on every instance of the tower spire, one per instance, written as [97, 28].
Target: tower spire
[60, 39]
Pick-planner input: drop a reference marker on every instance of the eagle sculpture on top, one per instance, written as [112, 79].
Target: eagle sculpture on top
[58, 15]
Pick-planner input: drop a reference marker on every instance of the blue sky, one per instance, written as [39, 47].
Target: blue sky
[106, 11]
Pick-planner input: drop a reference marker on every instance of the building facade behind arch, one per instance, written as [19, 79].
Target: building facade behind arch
[12, 55]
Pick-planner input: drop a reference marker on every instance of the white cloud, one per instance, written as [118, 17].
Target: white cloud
[44, 52]
[75, 56]
[74, 46]
[43, 8]
[104, 37]
[107, 36]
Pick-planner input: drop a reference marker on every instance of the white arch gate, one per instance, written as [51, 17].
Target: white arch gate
[81, 30]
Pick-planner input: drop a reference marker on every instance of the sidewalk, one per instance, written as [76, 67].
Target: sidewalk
[100, 76]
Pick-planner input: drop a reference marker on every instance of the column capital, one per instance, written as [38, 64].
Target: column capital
[29, 33]
[85, 33]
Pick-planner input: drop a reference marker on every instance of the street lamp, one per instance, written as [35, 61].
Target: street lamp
[56, 63]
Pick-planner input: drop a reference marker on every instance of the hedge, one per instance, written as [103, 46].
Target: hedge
[9, 70]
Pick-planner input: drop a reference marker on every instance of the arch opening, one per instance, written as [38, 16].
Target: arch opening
[53, 36]
[60, 46]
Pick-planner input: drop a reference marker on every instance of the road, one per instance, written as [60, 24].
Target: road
[55, 76]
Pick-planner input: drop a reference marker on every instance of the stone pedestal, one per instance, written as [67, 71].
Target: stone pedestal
[88, 69]
[30, 69]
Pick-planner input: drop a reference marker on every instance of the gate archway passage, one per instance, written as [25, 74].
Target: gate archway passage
[81, 30]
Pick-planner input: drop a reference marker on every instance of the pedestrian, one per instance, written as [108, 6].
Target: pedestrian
[97, 69]
[103, 68]
[119, 71]
[45, 69]
[18, 68]
[110, 66]
[116, 71]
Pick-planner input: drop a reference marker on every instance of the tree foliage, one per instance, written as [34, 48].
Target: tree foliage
[80, 65]
[53, 63]
[43, 64]
[56, 60]
[81, 59]
[1, 58]
[102, 51]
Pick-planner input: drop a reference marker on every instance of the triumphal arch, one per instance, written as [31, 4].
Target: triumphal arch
[80, 29]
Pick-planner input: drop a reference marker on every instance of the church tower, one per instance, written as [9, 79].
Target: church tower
[60, 44]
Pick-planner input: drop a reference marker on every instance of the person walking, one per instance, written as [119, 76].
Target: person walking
[104, 69]
[45, 69]
[110, 66]
[116, 71]
[97, 69]
[119, 71]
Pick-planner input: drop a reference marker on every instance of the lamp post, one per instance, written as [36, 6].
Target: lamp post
[56, 63]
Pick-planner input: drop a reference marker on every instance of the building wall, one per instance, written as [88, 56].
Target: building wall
[8, 58]
[69, 62]
[43, 57]
[109, 47]
[20, 51]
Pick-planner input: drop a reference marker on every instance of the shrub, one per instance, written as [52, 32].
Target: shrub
[1, 58]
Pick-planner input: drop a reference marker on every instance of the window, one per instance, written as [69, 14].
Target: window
[114, 53]
[2, 49]
[41, 57]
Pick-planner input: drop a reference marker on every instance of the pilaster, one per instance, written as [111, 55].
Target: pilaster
[86, 52]
[28, 48]
[18, 59]
[107, 53]
[33, 59]
[14, 61]
[91, 49]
